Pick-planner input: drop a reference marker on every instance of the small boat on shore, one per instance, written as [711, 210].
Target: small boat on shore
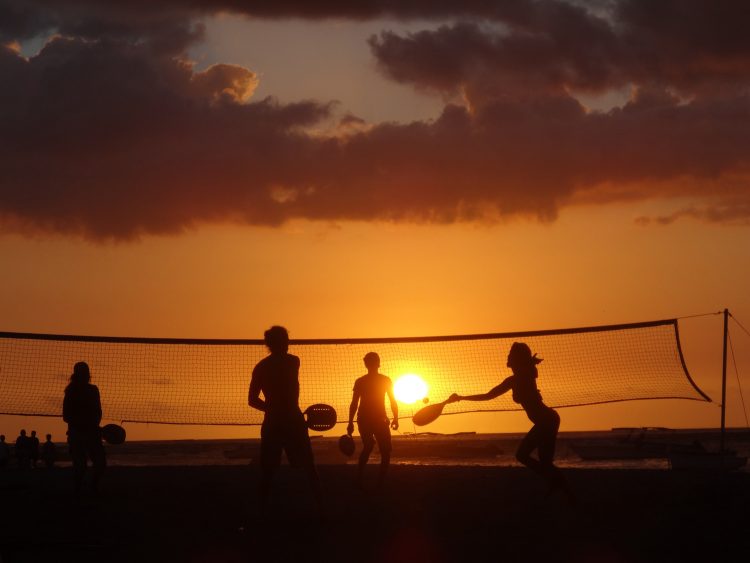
[626, 443]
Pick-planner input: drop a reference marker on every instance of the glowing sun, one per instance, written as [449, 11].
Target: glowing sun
[410, 388]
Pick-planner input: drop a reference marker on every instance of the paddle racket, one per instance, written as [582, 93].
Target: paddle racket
[320, 417]
[113, 433]
[428, 414]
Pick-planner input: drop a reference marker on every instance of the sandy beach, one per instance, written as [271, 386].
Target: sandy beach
[426, 513]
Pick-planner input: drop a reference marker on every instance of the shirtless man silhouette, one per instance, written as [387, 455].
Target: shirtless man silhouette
[368, 403]
[276, 377]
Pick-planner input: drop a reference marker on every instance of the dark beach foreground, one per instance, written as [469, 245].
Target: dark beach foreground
[425, 513]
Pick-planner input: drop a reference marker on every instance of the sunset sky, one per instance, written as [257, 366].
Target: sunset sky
[198, 168]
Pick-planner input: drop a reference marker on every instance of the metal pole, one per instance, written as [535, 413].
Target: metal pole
[724, 382]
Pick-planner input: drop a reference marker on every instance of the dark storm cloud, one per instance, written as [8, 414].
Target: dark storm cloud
[106, 139]
[26, 17]
[168, 27]
[109, 132]
[687, 63]
[690, 46]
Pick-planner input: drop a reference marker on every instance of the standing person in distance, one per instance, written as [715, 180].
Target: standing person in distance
[49, 452]
[368, 403]
[4, 452]
[22, 450]
[82, 410]
[33, 448]
[276, 377]
[543, 434]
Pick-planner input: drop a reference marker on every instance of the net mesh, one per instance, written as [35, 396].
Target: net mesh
[206, 381]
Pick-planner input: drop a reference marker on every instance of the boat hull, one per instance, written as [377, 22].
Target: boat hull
[706, 461]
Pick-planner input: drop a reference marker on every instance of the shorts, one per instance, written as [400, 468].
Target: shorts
[290, 435]
[378, 431]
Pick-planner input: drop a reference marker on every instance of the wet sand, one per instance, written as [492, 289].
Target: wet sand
[425, 513]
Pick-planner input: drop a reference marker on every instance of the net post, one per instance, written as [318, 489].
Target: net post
[724, 382]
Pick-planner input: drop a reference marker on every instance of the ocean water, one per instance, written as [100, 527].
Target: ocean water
[438, 449]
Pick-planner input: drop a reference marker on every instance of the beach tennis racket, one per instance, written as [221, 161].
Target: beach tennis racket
[113, 433]
[320, 417]
[428, 414]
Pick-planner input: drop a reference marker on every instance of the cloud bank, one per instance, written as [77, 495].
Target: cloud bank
[109, 132]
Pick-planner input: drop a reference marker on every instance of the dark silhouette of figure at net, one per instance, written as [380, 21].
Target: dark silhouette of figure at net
[22, 450]
[276, 377]
[33, 448]
[49, 452]
[368, 403]
[543, 434]
[82, 410]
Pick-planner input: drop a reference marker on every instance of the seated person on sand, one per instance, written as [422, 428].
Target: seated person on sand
[277, 377]
[543, 434]
[82, 410]
[368, 403]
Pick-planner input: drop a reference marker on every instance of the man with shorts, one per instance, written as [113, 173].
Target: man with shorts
[277, 377]
[368, 403]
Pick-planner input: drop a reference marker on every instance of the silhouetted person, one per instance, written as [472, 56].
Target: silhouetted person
[49, 452]
[368, 403]
[33, 448]
[277, 377]
[543, 434]
[82, 410]
[4, 452]
[23, 456]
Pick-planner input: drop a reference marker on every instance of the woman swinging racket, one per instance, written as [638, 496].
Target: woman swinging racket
[543, 434]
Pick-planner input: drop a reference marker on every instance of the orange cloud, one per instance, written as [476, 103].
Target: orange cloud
[219, 80]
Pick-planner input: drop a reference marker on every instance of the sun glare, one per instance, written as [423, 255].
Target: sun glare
[410, 388]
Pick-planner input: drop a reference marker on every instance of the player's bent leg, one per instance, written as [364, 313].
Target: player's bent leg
[549, 427]
[78, 457]
[383, 438]
[368, 443]
[529, 443]
[98, 462]
[270, 460]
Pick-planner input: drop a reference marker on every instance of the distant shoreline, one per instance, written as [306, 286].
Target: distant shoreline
[433, 449]
[574, 449]
[737, 431]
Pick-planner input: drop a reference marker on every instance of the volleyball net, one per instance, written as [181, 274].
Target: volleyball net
[205, 382]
